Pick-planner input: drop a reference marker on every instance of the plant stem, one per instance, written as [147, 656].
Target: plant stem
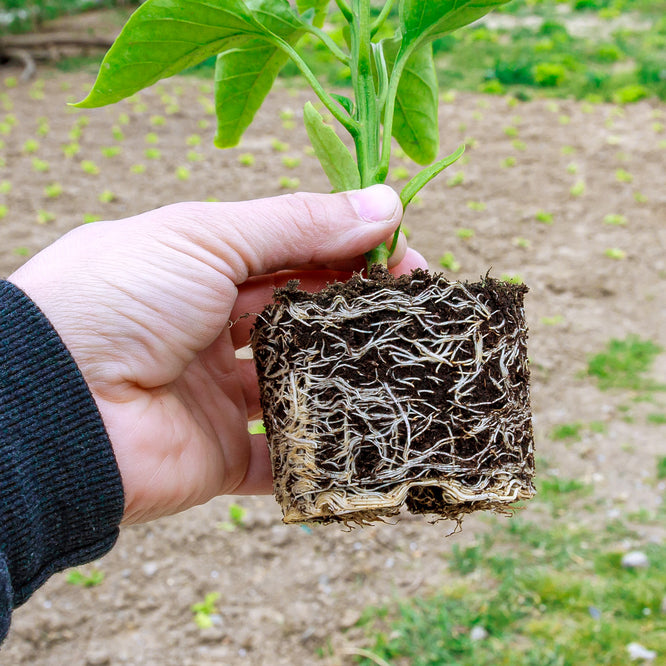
[379, 21]
[367, 116]
[367, 140]
[378, 255]
[389, 110]
[329, 43]
[350, 124]
[345, 10]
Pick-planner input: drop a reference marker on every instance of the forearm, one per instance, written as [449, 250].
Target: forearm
[61, 498]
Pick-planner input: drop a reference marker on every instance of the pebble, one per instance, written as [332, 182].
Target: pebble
[478, 633]
[637, 651]
[635, 559]
[97, 658]
[149, 568]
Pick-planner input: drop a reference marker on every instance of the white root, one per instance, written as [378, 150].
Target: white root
[311, 401]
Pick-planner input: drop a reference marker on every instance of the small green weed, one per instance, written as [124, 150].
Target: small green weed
[661, 467]
[529, 595]
[578, 188]
[237, 515]
[204, 610]
[624, 363]
[449, 262]
[567, 431]
[465, 234]
[615, 220]
[92, 579]
[615, 253]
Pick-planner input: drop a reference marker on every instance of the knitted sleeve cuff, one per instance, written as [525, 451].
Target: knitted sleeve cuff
[61, 497]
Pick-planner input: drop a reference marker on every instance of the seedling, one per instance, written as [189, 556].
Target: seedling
[449, 262]
[3, 211]
[152, 138]
[377, 428]
[157, 121]
[478, 206]
[89, 167]
[615, 253]
[623, 176]
[138, 168]
[456, 180]
[193, 140]
[544, 217]
[107, 196]
[279, 146]
[290, 161]
[71, 149]
[194, 156]
[400, 173]
[111, 151]
[45, 216]
[53, 191]
[40, 166]
[246, 159]
[5, 187]
[465, 234]
[508, 162]
[204, 610]
[287, 183]
[92, 579]
[152, 153]
[183, 173]
[30, 146]
[578, 188]
[43, 127]
[89, 218]
[616, 220]
[236, 518]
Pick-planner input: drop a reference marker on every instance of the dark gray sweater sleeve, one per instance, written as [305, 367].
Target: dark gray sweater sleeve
[61, 497]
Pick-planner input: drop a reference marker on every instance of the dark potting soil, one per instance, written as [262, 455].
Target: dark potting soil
[471, 453]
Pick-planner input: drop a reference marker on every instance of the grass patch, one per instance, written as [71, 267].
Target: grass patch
[624, 364]
[528, 595]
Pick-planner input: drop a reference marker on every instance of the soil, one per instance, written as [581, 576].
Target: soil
[288, 591]
[383, 392]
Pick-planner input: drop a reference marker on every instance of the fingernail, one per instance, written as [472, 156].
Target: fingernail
[375, 204]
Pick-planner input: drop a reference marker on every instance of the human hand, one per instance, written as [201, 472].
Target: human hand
[144, 306]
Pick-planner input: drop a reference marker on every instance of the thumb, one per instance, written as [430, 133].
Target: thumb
[267, 235]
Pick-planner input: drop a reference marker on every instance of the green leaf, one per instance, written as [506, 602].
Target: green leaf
[415, 119]
[426, 175]
[163, 37]
[320, 10]
[346, 103]
[335, 158]
[245, 74]
[429, 19]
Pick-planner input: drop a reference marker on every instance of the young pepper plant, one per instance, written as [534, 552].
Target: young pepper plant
[394, 83]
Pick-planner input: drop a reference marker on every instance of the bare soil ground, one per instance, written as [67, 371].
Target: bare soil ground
[288, 591]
